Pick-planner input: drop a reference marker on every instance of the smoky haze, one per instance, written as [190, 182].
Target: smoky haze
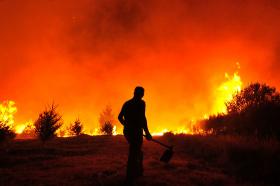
[87, 54]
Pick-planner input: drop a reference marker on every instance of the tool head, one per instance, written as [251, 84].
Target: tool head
[167, 155]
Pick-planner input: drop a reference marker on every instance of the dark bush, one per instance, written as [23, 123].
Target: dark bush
[107, 121]
[6, 133]
[255, 111]
[107, 128]
[76, 128]
[48, 123]
[168, 134]
[252, 97]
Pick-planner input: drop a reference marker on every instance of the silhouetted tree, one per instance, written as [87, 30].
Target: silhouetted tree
[106, 121]
[253, 96]
[76, 127]
[107, 128]
[6, 133]
[48, 123]
[107, 116]
[255, 110]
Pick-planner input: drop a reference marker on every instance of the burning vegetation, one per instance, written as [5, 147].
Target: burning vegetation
[7, 111]
[76, 128]
[252, 110]
[223, 93]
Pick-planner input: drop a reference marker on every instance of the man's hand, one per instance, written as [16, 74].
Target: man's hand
[148, 136]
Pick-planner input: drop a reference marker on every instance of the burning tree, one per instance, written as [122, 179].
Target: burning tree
[76, 128]
[106, 121]
[255, 110]
[7, 111]
[107, 128]
[48, 123]
[254, 96]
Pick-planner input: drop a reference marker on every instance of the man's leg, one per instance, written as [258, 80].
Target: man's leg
[135, 156]
[132, 162]
[139, 155]
[140, 163]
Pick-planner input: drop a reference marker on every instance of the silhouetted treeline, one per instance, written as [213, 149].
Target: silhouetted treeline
[254, 111]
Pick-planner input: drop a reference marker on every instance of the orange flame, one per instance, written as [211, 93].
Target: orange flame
[7, 111]
[223, 93]
[226, 91]
[97, 132]
[20, 128]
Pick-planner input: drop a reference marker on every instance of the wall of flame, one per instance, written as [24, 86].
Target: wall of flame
[224, 93]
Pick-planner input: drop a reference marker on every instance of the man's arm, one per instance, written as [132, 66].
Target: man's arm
[121, 116]
[145, 125]
[147, 132]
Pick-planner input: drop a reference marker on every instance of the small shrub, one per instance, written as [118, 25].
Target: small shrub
[170, 136]
[107, 128]
[76, 128]
[6, 133]
[28, 132]
[47, 124]
[107, 116]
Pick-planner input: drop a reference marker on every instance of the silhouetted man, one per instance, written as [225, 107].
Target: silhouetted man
[132, 117]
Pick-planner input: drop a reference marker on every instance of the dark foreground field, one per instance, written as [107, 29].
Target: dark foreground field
[101, 160]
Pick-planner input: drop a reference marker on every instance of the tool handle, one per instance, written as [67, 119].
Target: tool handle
[156, 141]
[162, 144]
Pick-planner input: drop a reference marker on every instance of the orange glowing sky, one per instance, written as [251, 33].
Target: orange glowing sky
[86, 54]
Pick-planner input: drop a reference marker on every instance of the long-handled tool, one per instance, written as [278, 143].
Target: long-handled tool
[168, 153]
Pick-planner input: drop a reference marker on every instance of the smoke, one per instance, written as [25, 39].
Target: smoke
[87, 54]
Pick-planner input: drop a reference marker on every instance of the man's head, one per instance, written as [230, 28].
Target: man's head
[138, 92]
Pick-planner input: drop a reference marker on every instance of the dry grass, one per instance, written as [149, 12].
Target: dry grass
[101, 160]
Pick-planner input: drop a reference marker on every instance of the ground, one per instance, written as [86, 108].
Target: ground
[101, 160]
